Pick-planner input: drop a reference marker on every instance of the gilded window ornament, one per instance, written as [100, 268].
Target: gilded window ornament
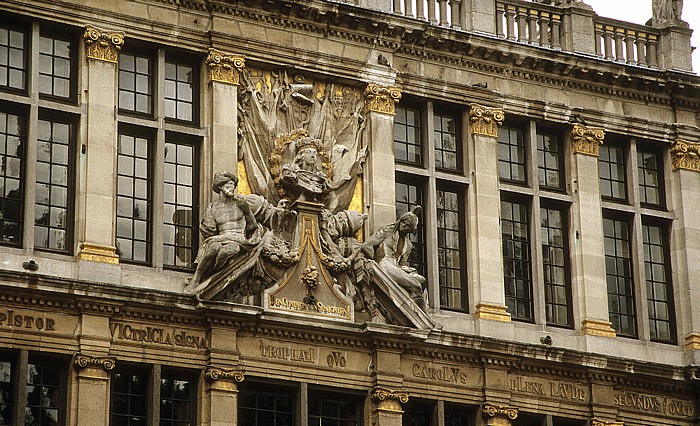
[215, 373]
[485, 121]
[586, 140]
[490, 410]
[224, 68]
[381, 99]
[685, 155]
[102, 44]
[86, 361]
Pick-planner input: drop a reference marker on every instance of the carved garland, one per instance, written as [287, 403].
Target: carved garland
[86, 361]
[224, 68]
[490, 410]
[685, 155]
[485, 121]
[585, 140]
[103, 45]
[215, 373]
[381, 99]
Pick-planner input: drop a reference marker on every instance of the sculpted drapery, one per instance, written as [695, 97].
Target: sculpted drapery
[667, 11]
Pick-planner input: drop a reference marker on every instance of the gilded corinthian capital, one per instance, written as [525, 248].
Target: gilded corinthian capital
[586, 140]
[485, 121]
[389, 400]
[224, 68]
[685, 155]
[102, 44]
[381, 99]
[503, 411]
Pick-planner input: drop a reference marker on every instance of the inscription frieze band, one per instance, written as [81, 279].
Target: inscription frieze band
[307, 355]
[12, 319]
[158, 335]
[654, 404]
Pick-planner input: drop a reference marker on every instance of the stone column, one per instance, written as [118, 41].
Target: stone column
[588, 266]
[674, 48]
[483, 208]
[578, 30]
[498, 415]
[97, 235]
[386, 407]
[380, 198]
[224, 76]
[685, 239]
[92, 389]
[221, 399]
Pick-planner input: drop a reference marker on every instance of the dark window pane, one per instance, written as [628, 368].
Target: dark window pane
[450, 250]
[611, 164]
[407, 135]
[11, 176]
[178, 187]
[445, 137]
[516, 259]
[619, 277]
[179, 91]
[511, 154]
[554, 266]
[133, 173]
[409, 195]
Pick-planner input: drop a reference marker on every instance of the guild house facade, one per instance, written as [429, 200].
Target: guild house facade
[358, 212]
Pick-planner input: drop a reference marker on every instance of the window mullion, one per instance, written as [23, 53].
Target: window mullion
[538, 290]
[632, 172]
[430, 209]
[639, 277]
[154, 401]
[302, 405]
[20, 378]
[157, 161]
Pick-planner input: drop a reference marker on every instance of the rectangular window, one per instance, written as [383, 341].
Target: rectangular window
[511, 154]
[417, 415]
[177, 402]
[53, 205]
[549, 161]
[44, 395]
[409, 195]
[13, 58]
[516, 259]
[133, 196]
[180, 91]
[179, 216]
[447, 149]
[611, 164]
[135, 86]
[658, 281]
[407, 135]
[129, 400]
[331, 411]
[7, 392]
[12, 129]
[450, 250]
[56, 73]
[650, 170]
[263, 408]
[459, 415]
[554, 266]
[618, 273]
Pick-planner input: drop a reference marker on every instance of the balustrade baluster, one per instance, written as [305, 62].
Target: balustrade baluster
[641, 47]
[522, 24]
[431, 11]
[443, 12]
[598, 40]
[510, 21]
[556, 33]
[545, 34]
[456, 15]
[619, 49]
[629, 44]
[532, 18]
[608, 39]
[500, 16]
[420, 10]
[651, 58]
[397, 6]
[408, 4]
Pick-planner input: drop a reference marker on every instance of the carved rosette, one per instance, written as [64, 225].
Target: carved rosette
[598, 422]
[106, 363]
[102, 44]
[224, 68]
[502, 411]
[381, 99]
[389, 400]
[586, 140]
[485, 121]
[215, 374]
[685, 155]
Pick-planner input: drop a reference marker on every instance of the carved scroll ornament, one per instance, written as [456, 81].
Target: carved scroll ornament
[215, 373]
[103, 45]
[86, 361]
[491, 410]
[598, 422]
[685, 155]
[389, 400]
[224, 68]
[586, 140]
[381, 99]
[485, 121]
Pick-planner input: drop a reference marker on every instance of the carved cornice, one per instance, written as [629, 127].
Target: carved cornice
[215, 374]
[103, 45]
[492, 312]
[598, 327]
[389, 400]
[381, 99]
[98, 253]
[685, 155]
[485, 121]
[106, 363]
[506, 411]
[598, 422]
[586, 140]
[224, 68]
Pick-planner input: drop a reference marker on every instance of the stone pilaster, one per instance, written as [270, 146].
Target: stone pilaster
[498, 415]
[387, 407]
[380, 197]
[588, 267]
[97, 235]
[93, 389]
[489, 296]
[221, 399]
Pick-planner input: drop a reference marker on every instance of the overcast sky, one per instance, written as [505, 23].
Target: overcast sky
[639, 11]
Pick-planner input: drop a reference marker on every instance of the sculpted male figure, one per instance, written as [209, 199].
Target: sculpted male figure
[229, 227]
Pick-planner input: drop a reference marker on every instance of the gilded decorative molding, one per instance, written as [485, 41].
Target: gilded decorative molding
[598, 328]
[215, 374]
[224, 68]
[492, 312]
[598, 422]
[388, 400]
[381, 99]
[586, 140]
[98, 253]
[106, 363]
[102, 44]
[485, 121]
[685, 155]
[491, 410]
[692, 342]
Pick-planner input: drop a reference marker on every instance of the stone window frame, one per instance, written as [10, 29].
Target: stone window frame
[430, 177]
[637, 213]
[535, 196]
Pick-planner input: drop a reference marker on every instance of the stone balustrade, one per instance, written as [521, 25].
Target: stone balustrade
[625, 42]
[531, 23]
[440, 12]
